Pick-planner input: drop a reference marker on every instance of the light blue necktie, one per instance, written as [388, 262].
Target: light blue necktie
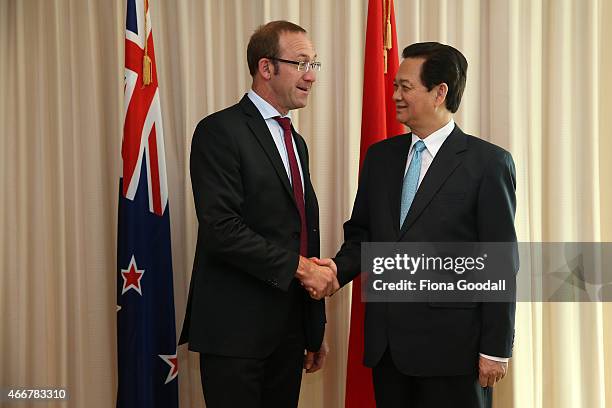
[411, 180]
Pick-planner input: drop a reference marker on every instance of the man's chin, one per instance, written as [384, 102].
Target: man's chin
[301, 103]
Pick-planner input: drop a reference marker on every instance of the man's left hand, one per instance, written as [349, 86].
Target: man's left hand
[490, 372]
[314, 361]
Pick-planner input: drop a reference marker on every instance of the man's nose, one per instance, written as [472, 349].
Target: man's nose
[310, 76]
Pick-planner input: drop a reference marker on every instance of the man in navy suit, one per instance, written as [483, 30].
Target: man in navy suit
[248, 314]
[434, 184]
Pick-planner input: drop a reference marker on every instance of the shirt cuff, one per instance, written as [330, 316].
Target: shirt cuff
[498, 359]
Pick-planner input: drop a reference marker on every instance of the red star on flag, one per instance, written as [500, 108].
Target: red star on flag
[172, 361]
[131, 277]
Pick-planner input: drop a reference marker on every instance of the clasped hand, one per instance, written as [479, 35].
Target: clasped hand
[318, 277]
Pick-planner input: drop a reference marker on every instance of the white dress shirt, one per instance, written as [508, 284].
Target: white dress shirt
[433, 142]
[269, 112]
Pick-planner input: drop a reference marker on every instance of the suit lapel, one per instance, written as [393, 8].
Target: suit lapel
[259, 128]
[301, 149]
[303, 157]
[397, 166]
[446, 161]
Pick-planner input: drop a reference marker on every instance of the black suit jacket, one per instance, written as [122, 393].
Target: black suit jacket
[467, 195]
[242, 285]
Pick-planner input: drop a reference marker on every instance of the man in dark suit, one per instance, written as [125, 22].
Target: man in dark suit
[248, 314]
[435, 184]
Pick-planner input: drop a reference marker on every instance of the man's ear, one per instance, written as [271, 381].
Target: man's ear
[265, 68]
[441, 93]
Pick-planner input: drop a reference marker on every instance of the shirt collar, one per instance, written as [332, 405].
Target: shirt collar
[267, 111]
[434, 141]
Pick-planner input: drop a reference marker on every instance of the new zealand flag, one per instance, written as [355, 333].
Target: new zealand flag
[146, 331]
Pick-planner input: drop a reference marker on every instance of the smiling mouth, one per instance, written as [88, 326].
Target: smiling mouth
[303, 89]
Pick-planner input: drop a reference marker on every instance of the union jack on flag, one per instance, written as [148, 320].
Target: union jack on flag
[146, 331]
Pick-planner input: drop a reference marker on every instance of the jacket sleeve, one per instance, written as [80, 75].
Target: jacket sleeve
[496, 210]
[218, 194]
[356, 230]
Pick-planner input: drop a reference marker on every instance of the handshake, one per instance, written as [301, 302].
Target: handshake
[318, 276]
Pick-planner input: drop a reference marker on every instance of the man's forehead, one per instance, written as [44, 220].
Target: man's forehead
[296, 43]
[409, 70]
[411, 64]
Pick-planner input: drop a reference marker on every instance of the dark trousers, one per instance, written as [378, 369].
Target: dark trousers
[271, 382]
[393, 389]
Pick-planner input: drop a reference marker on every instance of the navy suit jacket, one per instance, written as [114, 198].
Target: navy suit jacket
[467, 195]
[242, 286]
